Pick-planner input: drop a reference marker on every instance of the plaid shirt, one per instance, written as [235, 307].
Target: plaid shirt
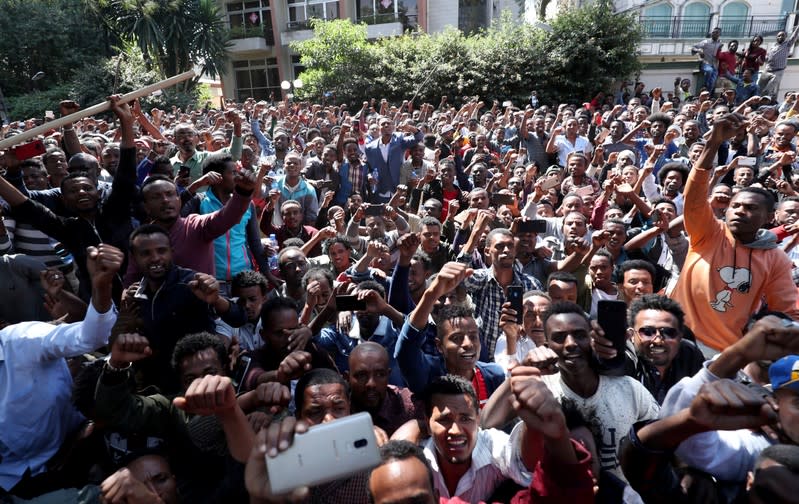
[777, 55]
[488, 297]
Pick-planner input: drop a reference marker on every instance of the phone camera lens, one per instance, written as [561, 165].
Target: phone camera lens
[361, 443]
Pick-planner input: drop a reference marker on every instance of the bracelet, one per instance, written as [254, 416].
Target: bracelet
[114, 369]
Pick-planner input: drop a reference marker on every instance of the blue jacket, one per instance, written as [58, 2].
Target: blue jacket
[388, 173]
[420, 368]
[231, 254]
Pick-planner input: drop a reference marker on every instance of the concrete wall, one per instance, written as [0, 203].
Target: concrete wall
[440, 14]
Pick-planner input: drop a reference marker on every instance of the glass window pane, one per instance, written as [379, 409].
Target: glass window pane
[243, 79]
[273, 76]
[258, 78]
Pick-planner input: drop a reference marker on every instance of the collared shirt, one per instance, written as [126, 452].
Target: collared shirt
[777, 55]
[36, 412]
[195, 162]
[565, 147]
[384, 149]
[496, 458]
[249, 335]
[488, 297]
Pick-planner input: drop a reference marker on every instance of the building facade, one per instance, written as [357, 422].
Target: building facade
[262, 31]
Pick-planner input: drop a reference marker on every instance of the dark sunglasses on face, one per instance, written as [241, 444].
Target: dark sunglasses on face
[649, 332]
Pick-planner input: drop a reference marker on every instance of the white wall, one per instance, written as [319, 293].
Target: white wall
[440, 14]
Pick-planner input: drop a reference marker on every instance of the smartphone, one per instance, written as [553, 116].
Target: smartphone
[325, 184]
[240, 371]
[515, 293]
[532, 226]
[612, 318]
[374, 210]
[747, 161]
[350, 302]
[549, 183]
[584, 191]
[326, 452]
[498, 199]
[29, 150]
[184, 171]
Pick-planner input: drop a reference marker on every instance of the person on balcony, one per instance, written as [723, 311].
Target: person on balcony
[776, 61]
[708, 50]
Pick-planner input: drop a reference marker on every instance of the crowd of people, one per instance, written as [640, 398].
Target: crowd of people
[187, 292]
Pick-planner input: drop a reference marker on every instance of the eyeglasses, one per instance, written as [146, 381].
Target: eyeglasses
[649, 332]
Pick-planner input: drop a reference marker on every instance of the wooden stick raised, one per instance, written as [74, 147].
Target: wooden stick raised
[95, 109]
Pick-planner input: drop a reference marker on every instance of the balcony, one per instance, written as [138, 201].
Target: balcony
[691, 27]
[388, 24]
[252, 38]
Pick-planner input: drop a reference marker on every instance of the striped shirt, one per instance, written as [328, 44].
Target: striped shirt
[777, 55]
[26, 239]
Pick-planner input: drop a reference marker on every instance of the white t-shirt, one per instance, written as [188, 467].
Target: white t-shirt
[598, 295]
[618, 403]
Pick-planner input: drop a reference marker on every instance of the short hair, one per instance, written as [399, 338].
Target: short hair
[156, 178]
[614, 221]
[637, 264]
[656, 302]
[286, 250]
[33, 163]
[661, 200]
[371, 285]
[422, 257]
[536, 293]
[340, 239]
[317, 273]
[288, 203]
[319, 376]
[194, 343]
[147, 229]
[497, 232]
[74, 175]
[431, 222]
[275, 305]
[450, 312]
[217, 162]
[295, 242]
[787, 199]
[561, 308]
[401, 450]
[577, 154]
[52, 151]
[248, 278]
[449, 384]
[604, 253]
[562, 276]
[765, 194]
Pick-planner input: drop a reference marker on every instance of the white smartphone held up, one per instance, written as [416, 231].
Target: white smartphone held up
[325, 453]
[747, 161]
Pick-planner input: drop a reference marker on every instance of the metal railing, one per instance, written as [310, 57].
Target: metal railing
[699, 26]
[749, 26]
[305, 24]
[408, 21]
[241, 32]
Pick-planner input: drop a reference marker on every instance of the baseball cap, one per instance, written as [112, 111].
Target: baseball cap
[784, 373]
[447, 128]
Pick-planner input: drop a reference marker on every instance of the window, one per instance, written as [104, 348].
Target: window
[257, 79]
[472, 15]
[301, 11]
[250, 19]
[388, 11]
[296, 65]
[696, 20]
[734, 20]
[657, 21]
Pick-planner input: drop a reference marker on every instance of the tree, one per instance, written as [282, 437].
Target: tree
[337, 59]
[587, 49]
[52, 36]
[173, 36]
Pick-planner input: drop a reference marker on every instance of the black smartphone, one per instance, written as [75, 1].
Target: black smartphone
[612, 318]
[240, 371]
[183, 172]
[515, 293]
[499, 199]
[374, 210]
[325, 184]
[532, 226]
[350, 303]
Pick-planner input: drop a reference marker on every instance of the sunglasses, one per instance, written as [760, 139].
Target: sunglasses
[649, 332]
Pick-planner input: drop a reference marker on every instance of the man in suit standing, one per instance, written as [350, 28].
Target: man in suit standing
[386, 154]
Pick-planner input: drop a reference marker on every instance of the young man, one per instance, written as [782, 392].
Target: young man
[249, 288]
[731, 266]
[172, 301]
[457, 339]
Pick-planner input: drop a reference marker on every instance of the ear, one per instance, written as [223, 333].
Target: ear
[439, 345]
[346, 375]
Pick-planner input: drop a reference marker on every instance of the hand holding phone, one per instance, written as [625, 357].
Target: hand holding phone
[612, 320]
